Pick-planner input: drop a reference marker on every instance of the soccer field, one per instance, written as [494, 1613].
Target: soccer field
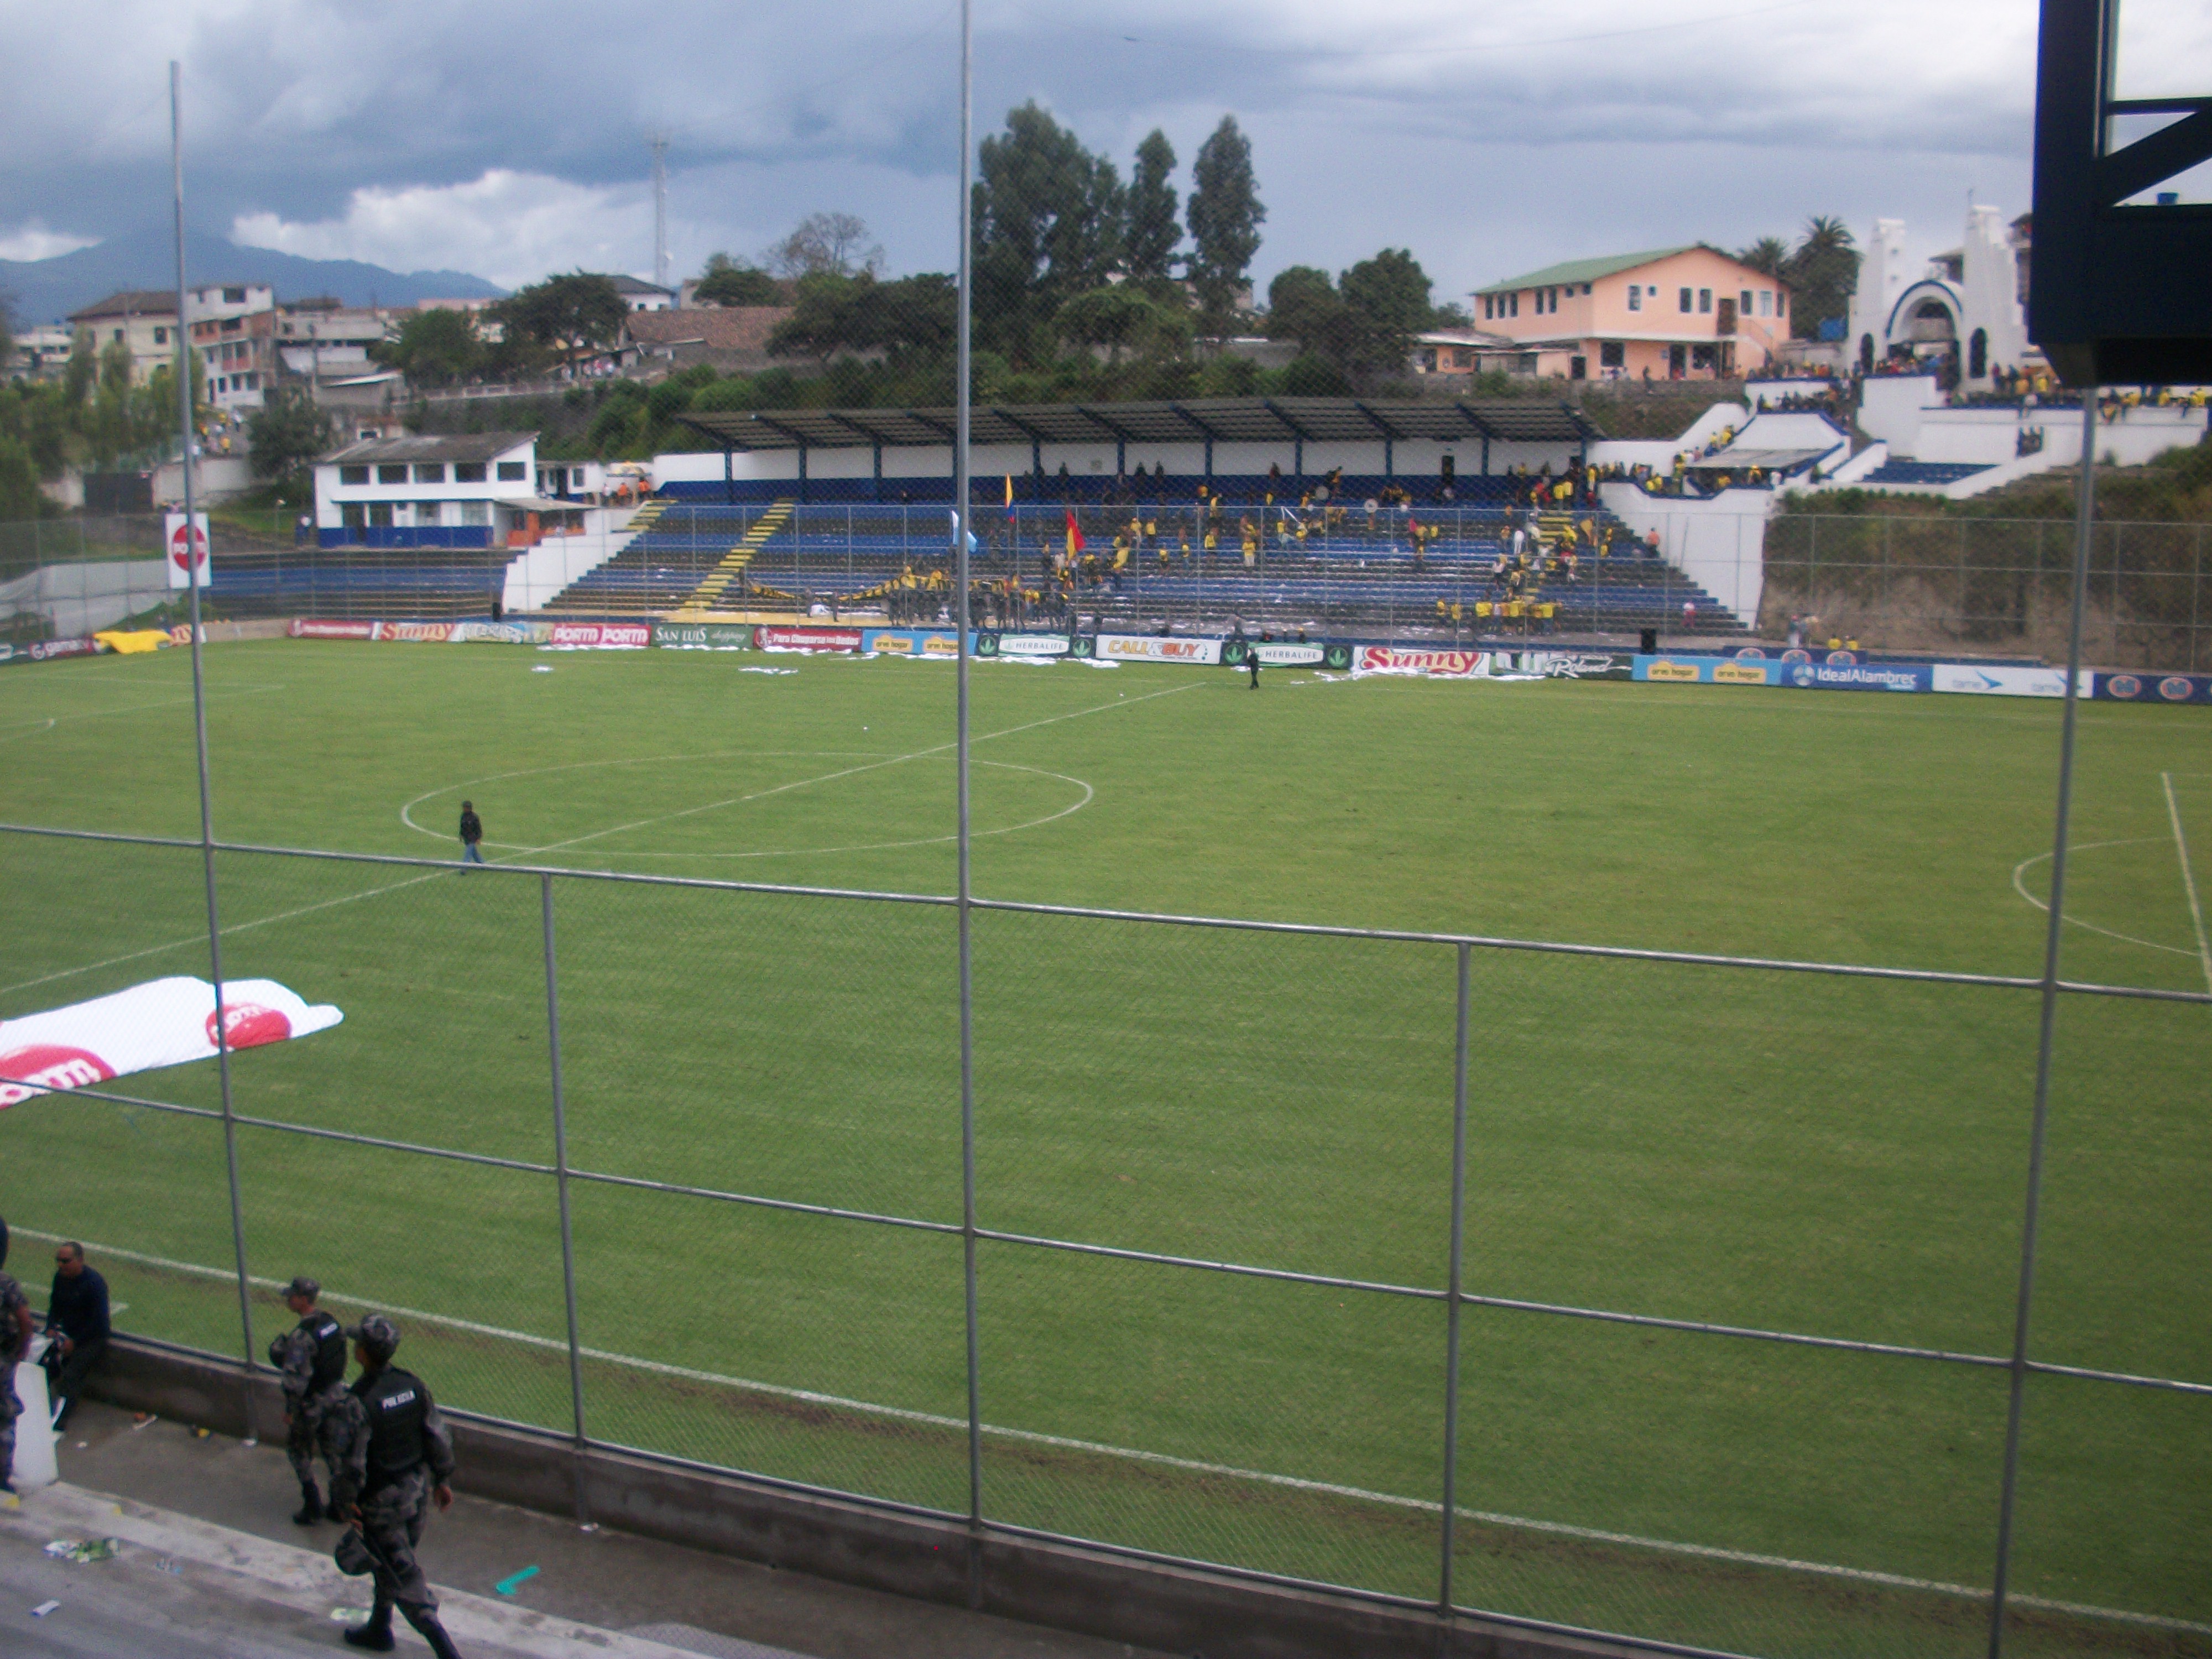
[1780, 1152]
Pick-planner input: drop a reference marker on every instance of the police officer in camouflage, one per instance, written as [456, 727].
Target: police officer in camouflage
[394, 1458]
[312, 1356]
[15, 1329]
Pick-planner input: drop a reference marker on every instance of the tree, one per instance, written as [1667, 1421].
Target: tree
[1123, 317]
[834, 315]
[726, 282]
[573, 315]
[1363, 324]
[433, 348]
[1225, 217]
[1769, 255]
[833, 243]
[1154, 233]
[1049, 225]
[1823, 273]
[288, 433]
[7, 330]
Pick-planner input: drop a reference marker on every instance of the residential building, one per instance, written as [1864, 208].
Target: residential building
[472, 490]
[644, 296]
[41, 353]
[728, 337]
[1963, 313]
[320, 338]
[143, 320]
[233, 329]
[1462, 351]
[1689, 313]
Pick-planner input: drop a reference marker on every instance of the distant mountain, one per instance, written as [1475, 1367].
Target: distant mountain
[47, 290]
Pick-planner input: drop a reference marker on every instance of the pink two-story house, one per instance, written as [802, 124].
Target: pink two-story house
[1674, 313]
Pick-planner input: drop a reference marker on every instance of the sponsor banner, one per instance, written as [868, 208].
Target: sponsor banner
[806, 639]
[703, 636]
[602, 636]
[1830, 676]
[1291, 655]
[1037, 645]
[46, 650]
[2006, 682]
[1705, 671]
[1573, 664]
[182, 635]
[416, 632]
[313, 628]
[1337, 655]
[909, 642]
[2153, 688]
[492, 633]
[186, 555]
[164, 1022]
[1429, 664]
[1146, 647]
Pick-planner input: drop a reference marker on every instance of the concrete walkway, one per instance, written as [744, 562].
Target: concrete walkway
[212, 1568]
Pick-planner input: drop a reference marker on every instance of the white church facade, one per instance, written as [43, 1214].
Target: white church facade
[1969, 305]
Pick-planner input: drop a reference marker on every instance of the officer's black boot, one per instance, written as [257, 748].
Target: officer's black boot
[427, 1627]
[311, 1505]
[376, 1634]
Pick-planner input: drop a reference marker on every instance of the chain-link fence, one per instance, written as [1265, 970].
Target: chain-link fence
[1539, 1280]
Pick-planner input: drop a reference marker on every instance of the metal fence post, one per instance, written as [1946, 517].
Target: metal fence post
[2085, 525]
[560, 1185]
[1452, 1298]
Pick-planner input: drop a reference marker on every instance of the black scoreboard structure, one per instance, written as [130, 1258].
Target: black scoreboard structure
[2120, 290]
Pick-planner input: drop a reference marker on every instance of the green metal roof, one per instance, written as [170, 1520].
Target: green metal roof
[1585, 270]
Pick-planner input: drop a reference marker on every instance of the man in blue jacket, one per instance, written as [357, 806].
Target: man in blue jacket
[77, 1315]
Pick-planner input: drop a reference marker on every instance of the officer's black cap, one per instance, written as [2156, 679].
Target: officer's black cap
[303, 1286]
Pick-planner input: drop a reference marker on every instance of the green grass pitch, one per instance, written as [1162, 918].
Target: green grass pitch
[1778, 1150]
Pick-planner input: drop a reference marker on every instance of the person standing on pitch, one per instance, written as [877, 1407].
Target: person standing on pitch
[15, 1343]
[1252, 662]
[312, 1355]
[471, 834]
[394, 1458]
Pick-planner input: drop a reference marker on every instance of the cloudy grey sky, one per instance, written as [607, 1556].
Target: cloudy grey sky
[509, 139]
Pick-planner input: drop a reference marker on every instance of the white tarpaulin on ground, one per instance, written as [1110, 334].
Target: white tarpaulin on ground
[164, 1022]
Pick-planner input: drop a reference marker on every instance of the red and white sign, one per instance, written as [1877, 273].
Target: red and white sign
[186, 556]
[603, 635]
[310, 627]
[1428, 665]
[165, 1022]
[416, 632]
[806, 639]
[1147, 647]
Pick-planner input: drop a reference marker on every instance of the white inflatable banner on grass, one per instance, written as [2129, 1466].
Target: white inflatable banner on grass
[164, 1022]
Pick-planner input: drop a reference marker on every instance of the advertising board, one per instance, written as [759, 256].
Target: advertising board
[601, 635]
[1572, 665]
[1428, 665]
[703, 636]
[1705, 671]
[1275, 654]
[909, 642]
[1147, 647]
[47, 650]
[315, 628]
[2015, 681]
[416, 632]
[486, 633]
[2153, 688]
[1830, 676]
[806, 639]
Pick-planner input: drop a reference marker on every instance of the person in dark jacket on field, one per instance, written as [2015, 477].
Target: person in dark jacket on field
[471, 834]
[76, 1314]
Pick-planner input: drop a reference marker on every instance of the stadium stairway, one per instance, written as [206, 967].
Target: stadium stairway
[733, 562]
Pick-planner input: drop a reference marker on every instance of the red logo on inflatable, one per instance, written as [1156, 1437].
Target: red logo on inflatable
[38, 1066]
[248, 1025]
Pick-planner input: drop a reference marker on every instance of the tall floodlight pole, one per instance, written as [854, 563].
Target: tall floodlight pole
[192, 580]
[659, 143]
[960, 507]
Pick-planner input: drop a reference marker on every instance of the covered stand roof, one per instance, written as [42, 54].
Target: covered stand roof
[1224, 420]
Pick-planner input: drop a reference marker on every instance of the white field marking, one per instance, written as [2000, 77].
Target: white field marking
[2018, 886]
[50, 720]
[1334, 1489]
[29, 728]
[774, 853]
[2188, 877]
[851, 771]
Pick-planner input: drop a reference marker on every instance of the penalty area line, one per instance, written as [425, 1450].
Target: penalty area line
[1258, 1477]
[2188, 877]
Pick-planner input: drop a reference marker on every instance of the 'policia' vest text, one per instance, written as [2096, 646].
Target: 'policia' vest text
[397, 1406]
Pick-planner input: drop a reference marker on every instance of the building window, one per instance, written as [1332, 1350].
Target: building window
[353, 475]
[234, 296]
[1766, 302]
[380, 515]
[1701, 356]
[353, 515]
[1635, 297]
[1515, 300]
[429, 472]
[512, 472]
[1704, 300]
[1586, 290]
[387, 475]
[1611, 354]
[119, 333]
[232, 325]
[1782, 302]
[1743, 306]
[476, 511]
[468, 471]
[160, 337]
[1686, 299]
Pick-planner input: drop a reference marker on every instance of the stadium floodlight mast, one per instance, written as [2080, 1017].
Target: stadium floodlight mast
[193, 557]
[2115, 293]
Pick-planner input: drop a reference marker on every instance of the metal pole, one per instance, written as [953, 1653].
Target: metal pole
[1452, 1296]
[2084, 525]
[200, 738]
[960, 495]
[560, 1185]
